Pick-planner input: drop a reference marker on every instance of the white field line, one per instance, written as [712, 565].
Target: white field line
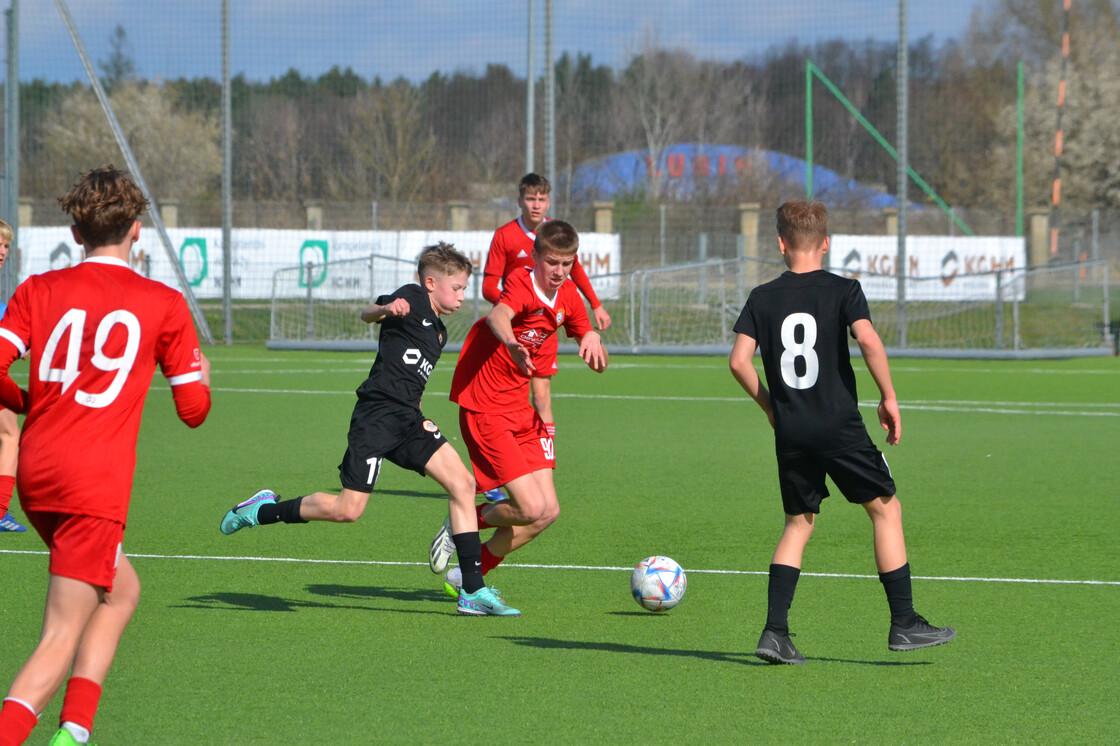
[596, 568]
[1071, 409]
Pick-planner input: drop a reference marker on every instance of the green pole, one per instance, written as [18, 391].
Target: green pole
[1019, 155]
[808, 129]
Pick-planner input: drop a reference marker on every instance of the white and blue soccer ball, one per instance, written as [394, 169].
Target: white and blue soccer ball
[658, 583]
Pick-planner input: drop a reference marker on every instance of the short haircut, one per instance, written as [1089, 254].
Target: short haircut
[104, 204]
[444, 259]
[802, 223]
[557, 237]
[6, 234]
[533, 183]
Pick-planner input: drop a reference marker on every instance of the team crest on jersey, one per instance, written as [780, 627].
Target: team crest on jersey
[560, 316]
[431, 426]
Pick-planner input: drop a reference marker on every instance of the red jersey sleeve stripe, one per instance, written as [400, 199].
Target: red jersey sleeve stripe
[12, 337]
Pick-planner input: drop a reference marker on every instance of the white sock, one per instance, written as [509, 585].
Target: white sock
[80, 734]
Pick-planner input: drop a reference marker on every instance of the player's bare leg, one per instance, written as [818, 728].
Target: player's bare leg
[543, 492]
[890, 543]
[791, 547]
[775, 645]
[448, 470]
[9, 457]
[70, 605]
[540, 394]
[104, 630]
[909, 630]
[345, 507]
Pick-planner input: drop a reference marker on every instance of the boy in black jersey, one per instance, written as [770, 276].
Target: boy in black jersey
[387, 424]
[800, 322]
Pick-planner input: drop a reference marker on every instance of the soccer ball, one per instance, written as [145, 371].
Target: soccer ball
[658, 583]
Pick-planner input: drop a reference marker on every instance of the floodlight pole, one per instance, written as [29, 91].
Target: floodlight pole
[126, 150]
[530, 96]
[10, 203]
[227, 183]
[903, 83]
[549, 96]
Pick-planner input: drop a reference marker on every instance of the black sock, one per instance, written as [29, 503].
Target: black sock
[286, 511]
[779, 595]
[469, 548]
[896, 583]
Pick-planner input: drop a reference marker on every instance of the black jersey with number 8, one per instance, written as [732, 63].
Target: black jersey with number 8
[801, 322]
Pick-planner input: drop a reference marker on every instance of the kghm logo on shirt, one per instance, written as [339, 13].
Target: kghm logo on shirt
[413, 357]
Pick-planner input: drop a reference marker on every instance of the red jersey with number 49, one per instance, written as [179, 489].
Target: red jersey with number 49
[486, 378]
[95, 333]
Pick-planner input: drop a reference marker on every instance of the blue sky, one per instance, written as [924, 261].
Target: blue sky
[391, 38]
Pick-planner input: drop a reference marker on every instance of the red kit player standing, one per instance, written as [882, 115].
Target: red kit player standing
[95, 332]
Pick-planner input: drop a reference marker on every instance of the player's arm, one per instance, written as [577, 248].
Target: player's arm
[875, 355]
[375, 313]
[592, 351]
[500, 321]
[742, 367]
[11, 395]
[494, 270]
[583, 282]
[191, 393]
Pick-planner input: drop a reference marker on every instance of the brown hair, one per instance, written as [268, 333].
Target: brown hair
[535, 183]
[802, 223]
[557, 237]
[442, 258]
[104, 204]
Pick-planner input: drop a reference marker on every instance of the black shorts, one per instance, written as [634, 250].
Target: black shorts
[861, 475]
[386, 430]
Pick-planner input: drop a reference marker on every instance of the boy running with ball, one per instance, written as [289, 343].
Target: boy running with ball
[388, 424]
[508, 442]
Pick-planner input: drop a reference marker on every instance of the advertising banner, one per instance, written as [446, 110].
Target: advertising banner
[938, 268]
[259, 253]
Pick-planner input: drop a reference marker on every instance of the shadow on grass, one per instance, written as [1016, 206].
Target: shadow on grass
[411, 493]
[746, 659]
[261, 602]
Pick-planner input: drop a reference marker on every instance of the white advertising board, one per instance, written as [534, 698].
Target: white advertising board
[938, 268]
[259, 253]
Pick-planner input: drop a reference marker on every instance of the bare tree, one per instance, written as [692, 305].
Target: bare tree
[390, 139]
[658, 86]
[177, 151]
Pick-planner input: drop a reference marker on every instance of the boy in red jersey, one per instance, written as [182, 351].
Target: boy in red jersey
[95, 333]
[511, 249]
[9, 425]
[505, 437]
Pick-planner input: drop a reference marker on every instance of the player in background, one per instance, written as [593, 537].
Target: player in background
[800, 322]
[512, 249]
[507, 439]
[388, 423]
[95, 332]
[9, 425]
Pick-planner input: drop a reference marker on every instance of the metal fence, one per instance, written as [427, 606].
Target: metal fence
[691, 309]
[665, 117]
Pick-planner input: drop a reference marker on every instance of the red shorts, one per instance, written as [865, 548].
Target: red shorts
[82, 547]
[505, 445]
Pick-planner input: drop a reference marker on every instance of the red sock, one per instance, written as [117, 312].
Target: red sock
[478, 511]
[16, 722]
[489, 561]
[7, 484]
[80, 703]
